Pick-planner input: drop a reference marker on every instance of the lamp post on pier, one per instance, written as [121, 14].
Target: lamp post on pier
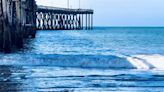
[67, 3]
[79, 4]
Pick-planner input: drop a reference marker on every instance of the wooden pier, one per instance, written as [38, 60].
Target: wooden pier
[53, 18]
[19, 19]
[17, 22]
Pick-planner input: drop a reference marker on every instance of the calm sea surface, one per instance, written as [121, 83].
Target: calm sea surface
[100, 60]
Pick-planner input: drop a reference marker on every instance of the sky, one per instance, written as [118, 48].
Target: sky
[118, 12]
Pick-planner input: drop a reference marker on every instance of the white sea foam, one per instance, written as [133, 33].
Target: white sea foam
[147, 61]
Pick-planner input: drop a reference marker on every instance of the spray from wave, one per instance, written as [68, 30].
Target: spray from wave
[147, 61]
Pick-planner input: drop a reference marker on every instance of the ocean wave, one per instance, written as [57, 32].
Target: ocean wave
[82, 61]
[86, 61]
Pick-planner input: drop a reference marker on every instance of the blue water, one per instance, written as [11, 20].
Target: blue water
[99, 60]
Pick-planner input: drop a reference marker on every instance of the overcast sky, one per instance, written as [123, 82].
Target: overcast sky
[118, 12]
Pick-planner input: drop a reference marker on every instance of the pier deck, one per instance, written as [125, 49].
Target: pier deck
[46, 9]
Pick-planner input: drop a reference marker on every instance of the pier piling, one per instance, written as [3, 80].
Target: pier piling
[14, 15]
[1, 35]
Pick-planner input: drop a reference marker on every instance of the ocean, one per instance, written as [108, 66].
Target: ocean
[106, 59]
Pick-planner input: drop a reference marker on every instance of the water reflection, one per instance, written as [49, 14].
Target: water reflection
[6, 81]
[58, 79]
[13, 79]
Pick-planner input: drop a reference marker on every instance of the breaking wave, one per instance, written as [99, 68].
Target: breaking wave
[147, 61]
[86, 61]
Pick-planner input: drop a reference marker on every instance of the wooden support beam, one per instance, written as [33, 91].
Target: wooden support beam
[86, 22]
[1, 26]
[1, 34]
[89, 21]
[82, 20]
[6, 37]
[92, 21]
[69, 22]
[76, 22]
